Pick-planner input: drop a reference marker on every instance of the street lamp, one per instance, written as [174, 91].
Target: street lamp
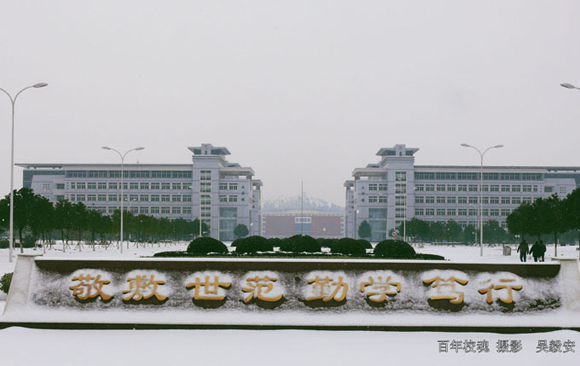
[481, 192]
[122, 156]
[13, 102]
[569, 86]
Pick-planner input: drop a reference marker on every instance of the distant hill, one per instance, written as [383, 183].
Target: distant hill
[293, 203]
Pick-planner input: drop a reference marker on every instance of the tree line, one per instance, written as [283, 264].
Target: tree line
[37, 218]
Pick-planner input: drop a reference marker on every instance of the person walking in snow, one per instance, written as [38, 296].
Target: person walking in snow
[536, 251]
[523, 249]
[542, 251]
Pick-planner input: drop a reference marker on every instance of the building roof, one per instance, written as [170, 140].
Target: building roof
[97, 166]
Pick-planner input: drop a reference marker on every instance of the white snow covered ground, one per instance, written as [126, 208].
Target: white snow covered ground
[20, 346]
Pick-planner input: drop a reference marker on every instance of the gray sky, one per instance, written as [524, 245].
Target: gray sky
[298, 90]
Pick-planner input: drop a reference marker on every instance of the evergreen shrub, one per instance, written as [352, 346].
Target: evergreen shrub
[349, 246]
[299, 244]
[396, 249]
[206, 245]
[4, 243]
[5, 282]
[253, 244]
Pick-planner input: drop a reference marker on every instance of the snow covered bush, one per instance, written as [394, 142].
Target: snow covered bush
[349, 246]
[206, 245]
[253, 244]
[5, 282]
[300, 243]
[394, 249]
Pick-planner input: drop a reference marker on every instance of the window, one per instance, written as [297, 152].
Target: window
[373, 187]
[419, 212]
[505, 212]
[440, 212]
[134, 210]
[81, 185]
[133, 185]
[102, 197]
[451, 212]
[517, 188]
[206, 211]
[430, 187]
[92, 197]
[440, 187]
[205, 175]
[430, 212]
[102, 185]
[527, 188]
[154, 198]
[154, 186]
[176, 210]
[233, 186]
[485, 188]
[441, 200]
[451, 200]
[186, 198]
[419, 199]
[144, 198]
[382, 199]
[462, 212]
[205, 199]
[401, 176]
[223, 198]
[176, 186]
[223, 186]
[165, 186]
[535, 188]
[505, 200]
[485, 200]
[144, 210]
[430, 199]
[451, 187]
[419, 187]
[516, 200]
[399, 188]
[113, 198]
[154, 210]
[91, 185]
[113, 185]
[505, 188]
[472, 212]
[462, 200]
[462, 188]
[205, 187]
[232, 198]
[161, 174]
[373, 199]
[494, 200]
[60, 186]
[494, 212]
[400, 200]
[472, 188]
[186, 210]
[472, 200]
[485, 212]
[527, 200]
[133, 198]
[144, 186]
[494, 188]
[165, 210]
[80, 197]
[186, 185]
[176, 198]
[46, 187]
[164, 198]
[400, 213]
[563, 190]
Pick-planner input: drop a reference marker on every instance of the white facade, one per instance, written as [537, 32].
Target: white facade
[222, 193]
[395, 189]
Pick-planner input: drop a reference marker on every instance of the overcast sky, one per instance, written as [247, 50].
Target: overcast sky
[297, 90]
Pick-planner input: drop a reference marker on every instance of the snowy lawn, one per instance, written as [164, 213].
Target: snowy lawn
[284, 347]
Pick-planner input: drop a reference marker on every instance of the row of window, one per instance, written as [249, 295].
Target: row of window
[126, 186]
[474, 200]
[460, 212]
[228, 186]
[146, 210]
[475, 188]
[173, 174]
[129, 198]
[477, 176]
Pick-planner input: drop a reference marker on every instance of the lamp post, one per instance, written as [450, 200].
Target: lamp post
[13, 102]
[481, 154]
[570, 86]
[122, 156]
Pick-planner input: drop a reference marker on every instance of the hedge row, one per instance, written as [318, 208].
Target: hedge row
[305, 244]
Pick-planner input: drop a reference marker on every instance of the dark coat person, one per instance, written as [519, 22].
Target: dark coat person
[543, 251]
[523, 249]
[536, 251]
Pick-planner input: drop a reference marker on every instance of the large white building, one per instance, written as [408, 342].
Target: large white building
[224, 194]
[395, 189]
